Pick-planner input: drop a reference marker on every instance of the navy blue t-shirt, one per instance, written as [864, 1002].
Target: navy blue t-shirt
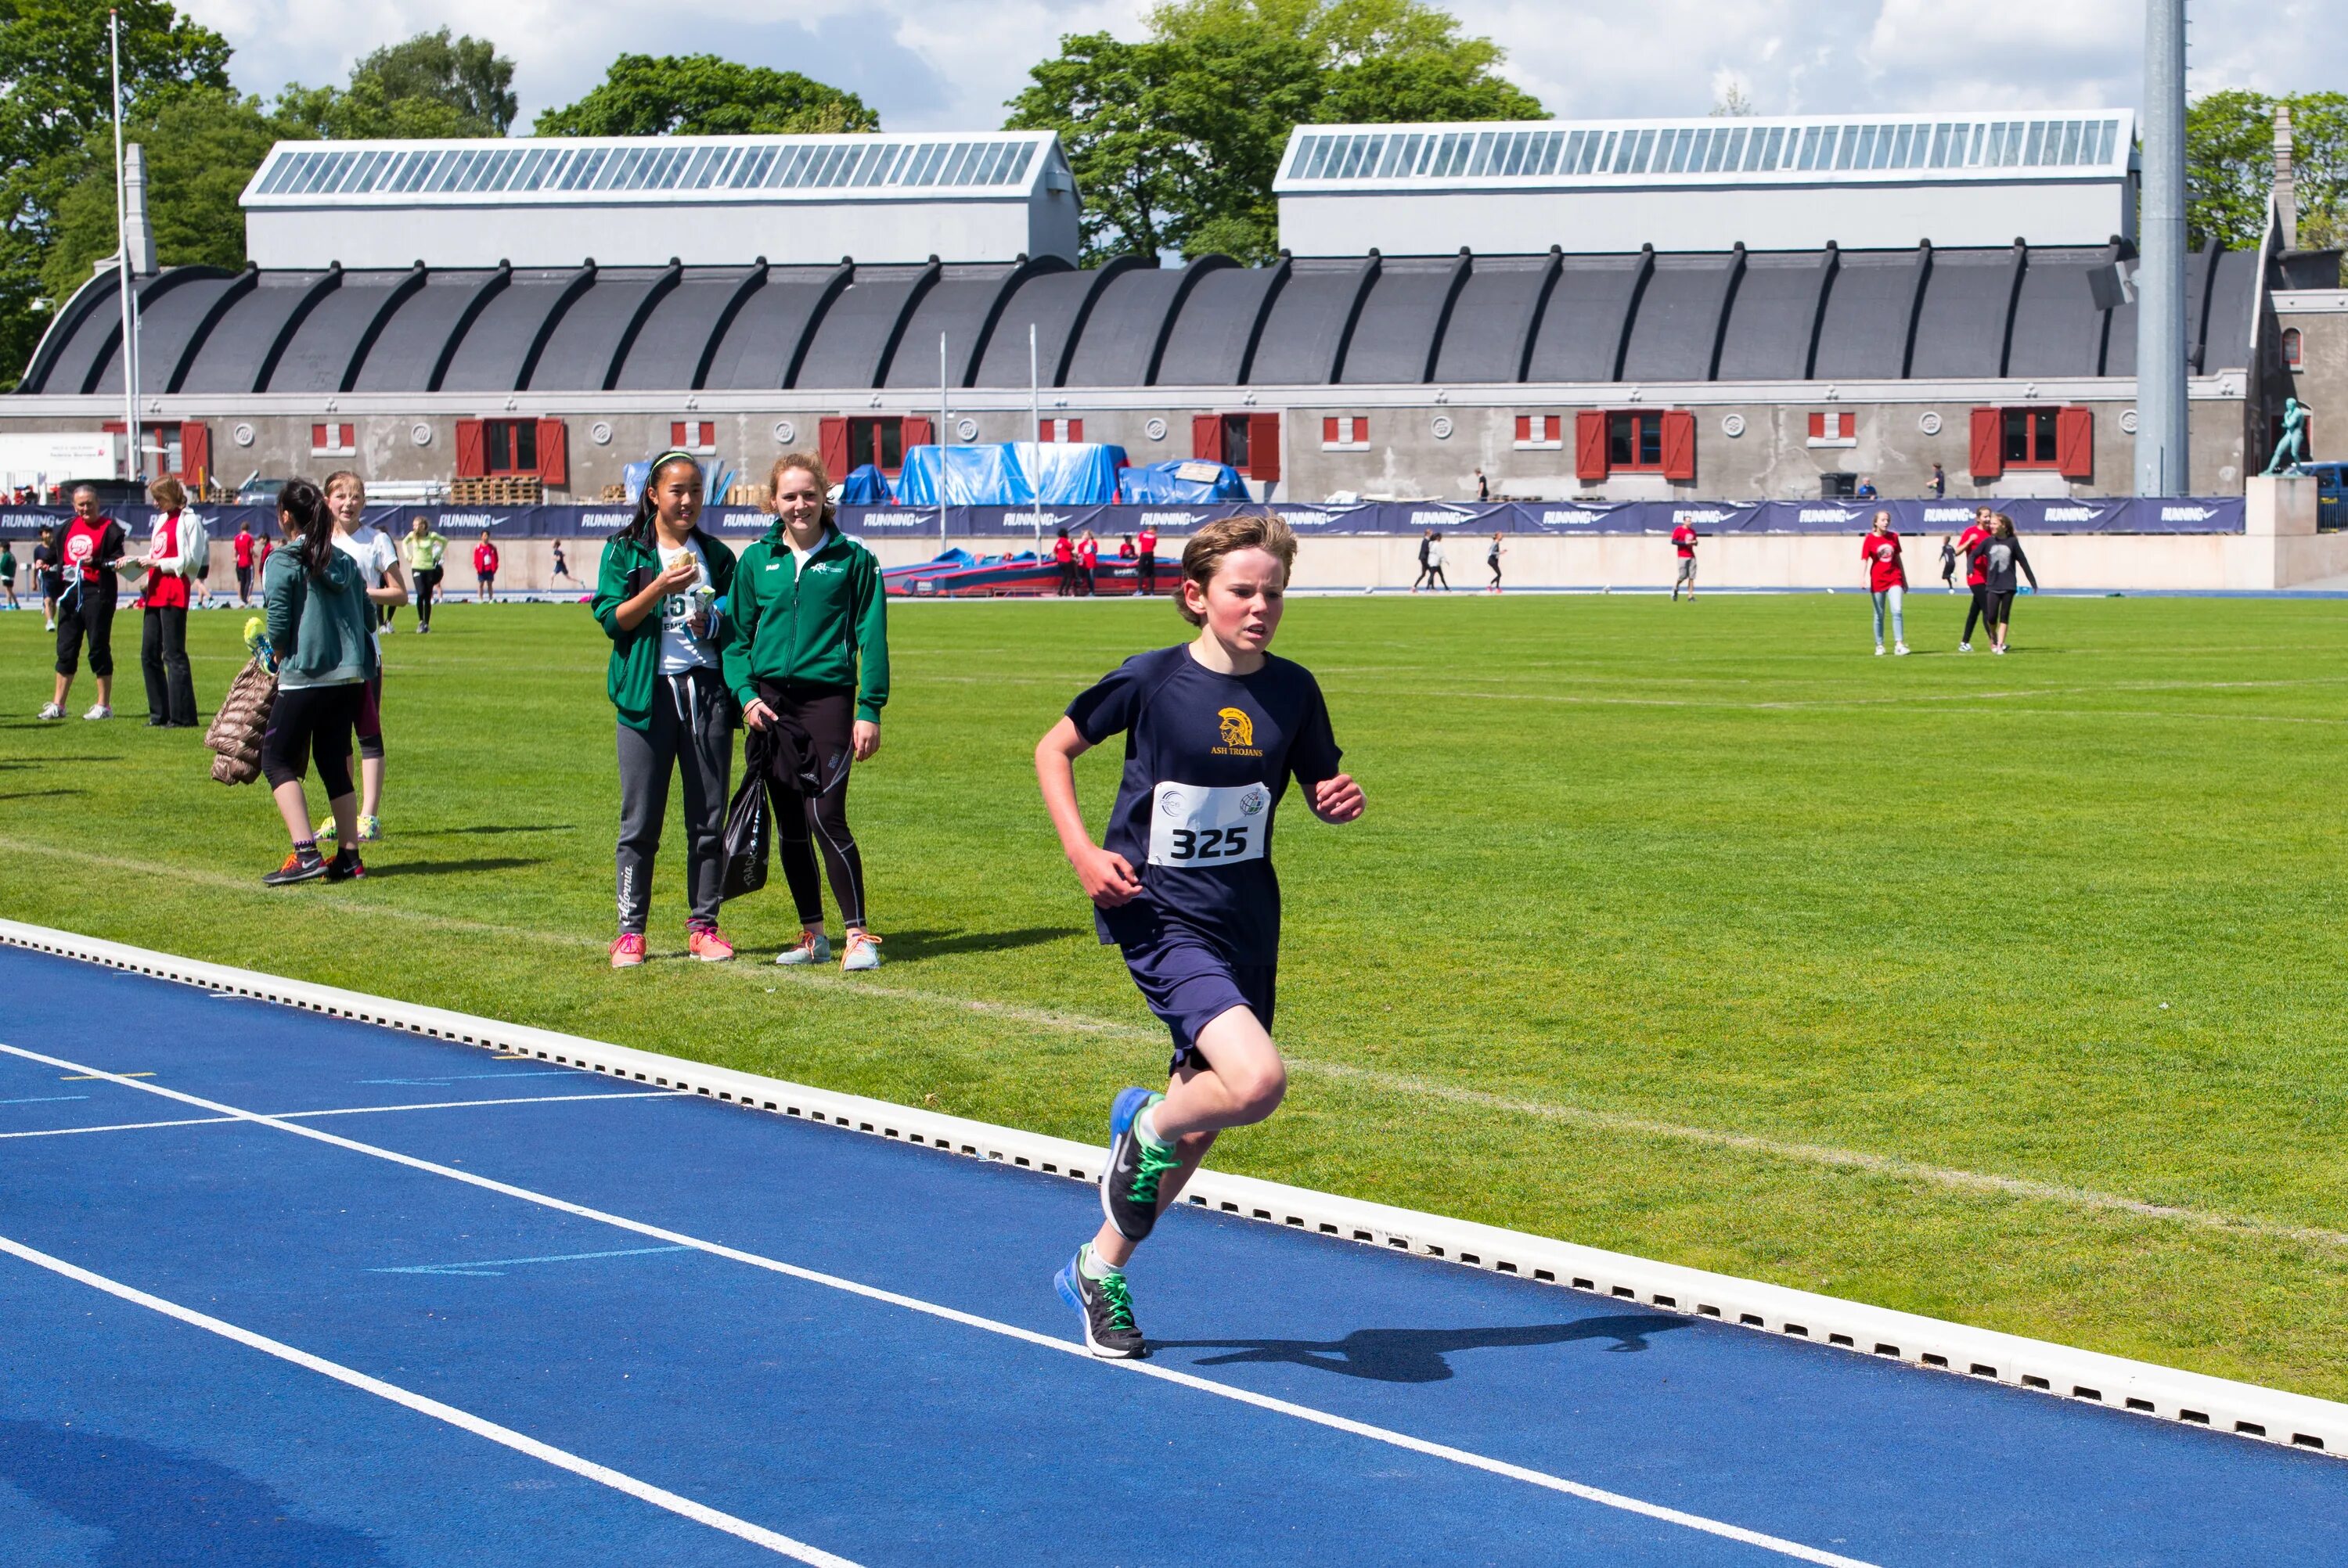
[1207, 759]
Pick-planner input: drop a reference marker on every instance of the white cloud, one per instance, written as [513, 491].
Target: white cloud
[936, 64]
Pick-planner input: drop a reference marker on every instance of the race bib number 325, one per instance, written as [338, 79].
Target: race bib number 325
[1195, 825]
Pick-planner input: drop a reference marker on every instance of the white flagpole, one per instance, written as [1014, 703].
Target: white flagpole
[133, 459]
[1035, 421]
[942, 440]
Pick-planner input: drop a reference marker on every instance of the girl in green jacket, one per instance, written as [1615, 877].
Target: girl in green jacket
[657, 597]
[807, 655]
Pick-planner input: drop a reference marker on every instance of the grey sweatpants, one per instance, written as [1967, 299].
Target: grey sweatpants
[689, 732]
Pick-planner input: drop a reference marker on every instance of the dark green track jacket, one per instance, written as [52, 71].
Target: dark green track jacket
[827, 625]
[627, 567]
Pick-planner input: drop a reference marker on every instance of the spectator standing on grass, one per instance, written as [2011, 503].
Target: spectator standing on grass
[176, 544]
[50, 581]
[1492, 559]
[87, 552]
[1145, 564]
[1064, 555]
[485, 567]
[1973, 545]
[242, 547]
[2004, 561]
[423, 549]
[321, 630]
[377, 558]
[1088, 561]
[1683, 538]
[1948, 564]
[1887, 582]
[1939, 483]
[8, 569]
[656, 597]
[806, 656]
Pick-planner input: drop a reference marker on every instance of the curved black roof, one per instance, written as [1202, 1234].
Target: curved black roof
[1722, 316]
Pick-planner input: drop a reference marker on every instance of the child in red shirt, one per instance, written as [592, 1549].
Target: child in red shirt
[1887, 580]
[1973, 545]
[1683, 538]
[485, 567]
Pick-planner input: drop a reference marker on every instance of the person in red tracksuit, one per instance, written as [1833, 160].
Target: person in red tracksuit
[1973, 547]
[485, 569]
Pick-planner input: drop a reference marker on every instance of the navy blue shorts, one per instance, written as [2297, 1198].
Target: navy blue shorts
[1188, 983]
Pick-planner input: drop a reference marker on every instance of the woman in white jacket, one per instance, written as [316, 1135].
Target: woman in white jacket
[176, 551]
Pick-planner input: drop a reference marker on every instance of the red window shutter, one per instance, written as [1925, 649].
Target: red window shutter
[1046, 429]
[1817, 426]
[1075, 429]
[1679, 444]
[1988, 444]
[676, 433]
[1206, 437]
[196, 450]
[1362, 428]
[919, 432]
[472, 450]
[1847, 426]
[2074, 443]
[1525, 427]
[317, 438]
[1263, 446]
[1329, 430]
[1589, 443]
[553, 454]
[831, 446]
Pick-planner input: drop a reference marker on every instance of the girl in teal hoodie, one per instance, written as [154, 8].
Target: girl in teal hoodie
[321, 633]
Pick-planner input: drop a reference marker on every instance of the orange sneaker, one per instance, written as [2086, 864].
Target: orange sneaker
[709, 944]
[627, 949]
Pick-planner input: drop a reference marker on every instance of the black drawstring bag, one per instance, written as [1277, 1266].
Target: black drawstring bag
[749, 829]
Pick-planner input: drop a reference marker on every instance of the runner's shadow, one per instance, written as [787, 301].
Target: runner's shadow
[938, 944]
[515, 827]
[445, 868]
[153, 1505]
[1416, 1355]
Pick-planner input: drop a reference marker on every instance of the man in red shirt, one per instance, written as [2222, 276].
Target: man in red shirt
[1973, 545]
[245, 563]
[1064, 555]
[1683, 538]
[88, 551]
[485, 569]
[1145, 565]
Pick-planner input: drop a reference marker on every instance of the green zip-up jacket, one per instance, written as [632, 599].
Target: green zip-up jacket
[322, 630]
[635, 670]
[827, 625]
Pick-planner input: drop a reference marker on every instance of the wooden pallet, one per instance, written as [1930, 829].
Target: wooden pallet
[498, 490]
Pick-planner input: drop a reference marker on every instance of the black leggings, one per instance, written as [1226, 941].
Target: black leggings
[1145, 572]
[84, 612]
[312, 723]
[2001, 611]
[802, 820]
[427, 583]
[1978, 610]
[1067, 588]
[163, 658]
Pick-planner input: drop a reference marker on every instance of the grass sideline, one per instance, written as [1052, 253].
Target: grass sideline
[1693, 932]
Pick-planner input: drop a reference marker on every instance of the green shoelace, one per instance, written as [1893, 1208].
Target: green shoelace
[1120, 1301]
[1154, 1164]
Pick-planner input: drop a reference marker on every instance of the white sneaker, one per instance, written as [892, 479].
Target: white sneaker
[1965, 648]
[813, 948]
[1879, 651]
[864, 952]
[1999, 651]
[1902, 649]
[51, 711]
[98, 710]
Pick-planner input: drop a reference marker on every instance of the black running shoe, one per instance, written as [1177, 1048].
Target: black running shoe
[1107, 1307]
[1129, 1183]
[302, 866]
[345, 867]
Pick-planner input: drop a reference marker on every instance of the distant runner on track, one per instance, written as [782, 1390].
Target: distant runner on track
[1183, 884]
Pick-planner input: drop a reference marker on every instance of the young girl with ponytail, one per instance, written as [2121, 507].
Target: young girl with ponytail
[321, 630]
[657, 596]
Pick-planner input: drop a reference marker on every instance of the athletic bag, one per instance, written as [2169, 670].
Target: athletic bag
[749, 829]
[243, 718]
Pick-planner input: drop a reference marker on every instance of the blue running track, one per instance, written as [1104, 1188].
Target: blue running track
[505, 1313]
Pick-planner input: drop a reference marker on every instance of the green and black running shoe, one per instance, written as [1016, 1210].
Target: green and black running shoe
[1130, 1183]
[1107, 1307]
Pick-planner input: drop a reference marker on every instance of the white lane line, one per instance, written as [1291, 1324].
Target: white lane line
[345, 1111]
[493, 1267]
[464, 1421]
[1615, 1499]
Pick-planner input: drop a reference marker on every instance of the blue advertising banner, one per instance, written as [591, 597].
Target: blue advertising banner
[2112, 514]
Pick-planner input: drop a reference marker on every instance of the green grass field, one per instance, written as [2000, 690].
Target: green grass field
[2006, 989]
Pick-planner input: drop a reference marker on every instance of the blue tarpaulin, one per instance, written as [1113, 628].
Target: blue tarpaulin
[987, 476]
[1182, 483]
[1072, 473]
[864, 487]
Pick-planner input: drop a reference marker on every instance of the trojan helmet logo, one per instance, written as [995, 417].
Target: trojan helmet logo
[1238, 730]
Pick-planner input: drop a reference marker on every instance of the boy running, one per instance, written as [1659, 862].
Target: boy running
[1183, 884]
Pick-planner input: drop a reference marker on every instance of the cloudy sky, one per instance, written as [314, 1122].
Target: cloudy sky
[934, 64]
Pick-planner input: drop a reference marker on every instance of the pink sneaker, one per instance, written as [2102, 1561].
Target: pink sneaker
[709, 944]
[627, 949]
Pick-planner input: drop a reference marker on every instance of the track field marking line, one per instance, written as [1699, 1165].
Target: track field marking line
[342, 1111]
[43, 1099]
[464, 1421]
[1386, 1435]
[490, 1267]
[88, 1077]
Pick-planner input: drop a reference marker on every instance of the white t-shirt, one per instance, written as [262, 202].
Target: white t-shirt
[680, 649]
[371, 549]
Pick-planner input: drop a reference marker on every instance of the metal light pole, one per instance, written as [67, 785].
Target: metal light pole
[1036, 420]
[942, 413]
[2162, 448]
[133, 457]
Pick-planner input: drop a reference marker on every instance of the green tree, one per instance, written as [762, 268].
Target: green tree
[364, 111]
[1175, 140]
[2229, 167]
[53, 94]
[467, 74]
[702, 95]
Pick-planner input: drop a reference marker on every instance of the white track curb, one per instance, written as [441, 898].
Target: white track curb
[2217, 1403]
